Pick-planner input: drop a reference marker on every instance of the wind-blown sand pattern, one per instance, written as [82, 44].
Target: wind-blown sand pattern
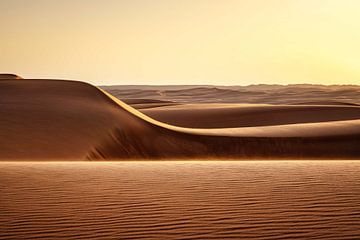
[180, 200]
[56, 119]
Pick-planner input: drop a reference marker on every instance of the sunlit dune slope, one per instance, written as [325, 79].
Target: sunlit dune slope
[55, 119]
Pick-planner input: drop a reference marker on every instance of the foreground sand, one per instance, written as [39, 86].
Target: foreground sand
[180, 200]
[56, 119]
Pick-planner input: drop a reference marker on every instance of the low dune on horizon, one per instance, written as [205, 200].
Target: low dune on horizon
[9, 76]
[299, 94]
[71, 120]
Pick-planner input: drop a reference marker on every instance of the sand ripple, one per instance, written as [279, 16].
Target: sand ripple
[180, 200]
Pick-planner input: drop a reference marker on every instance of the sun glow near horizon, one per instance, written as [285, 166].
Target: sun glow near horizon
[183, 42]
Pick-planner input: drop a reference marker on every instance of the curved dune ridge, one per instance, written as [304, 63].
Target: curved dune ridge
[58, 119]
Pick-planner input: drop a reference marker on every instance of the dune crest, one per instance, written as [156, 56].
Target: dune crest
[57, 119]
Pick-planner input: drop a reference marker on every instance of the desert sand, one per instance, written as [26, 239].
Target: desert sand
[58, 119]
[180, 200]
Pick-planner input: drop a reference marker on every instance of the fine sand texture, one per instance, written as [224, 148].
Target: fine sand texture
[57, 119]
[265, 200]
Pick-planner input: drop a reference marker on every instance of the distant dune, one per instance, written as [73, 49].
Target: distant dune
[9, 76]
[248, 115]
[261, 94]
[57, 119]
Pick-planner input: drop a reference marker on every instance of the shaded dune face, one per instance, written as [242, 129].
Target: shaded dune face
[183, 146]
[55, 119]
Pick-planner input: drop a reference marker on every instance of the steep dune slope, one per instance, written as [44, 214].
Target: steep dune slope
[48, 119]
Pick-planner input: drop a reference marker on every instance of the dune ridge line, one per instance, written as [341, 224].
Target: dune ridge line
[62, 119]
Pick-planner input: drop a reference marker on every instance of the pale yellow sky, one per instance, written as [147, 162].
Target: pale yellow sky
[224, 42]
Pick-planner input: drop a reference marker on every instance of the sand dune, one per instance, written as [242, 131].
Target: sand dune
[51, 119]
[248, 115]
[55, 119]
[270, 94]
[148, 103]
[9, 76]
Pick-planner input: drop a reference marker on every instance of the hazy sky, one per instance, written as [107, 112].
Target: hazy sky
[229, 42]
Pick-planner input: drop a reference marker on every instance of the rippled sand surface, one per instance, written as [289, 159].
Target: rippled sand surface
[180, 200]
